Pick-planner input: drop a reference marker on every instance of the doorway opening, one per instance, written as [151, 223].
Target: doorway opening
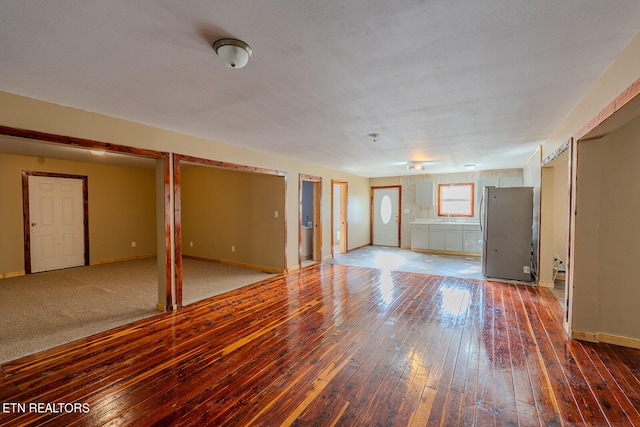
[230, 226]
[309, 220]
[555, 190]
[339, 228]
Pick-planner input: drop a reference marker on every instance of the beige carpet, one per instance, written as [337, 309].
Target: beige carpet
[42, 310]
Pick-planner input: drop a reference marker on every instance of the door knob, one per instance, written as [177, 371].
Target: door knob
[33, 224]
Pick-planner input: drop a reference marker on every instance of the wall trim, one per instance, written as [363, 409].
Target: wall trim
[162, 307]
[12, 274]
[599, 337]
[558, 151]
[129, 258]
[618, 340]
[359, 247]
[585, 336]
[236, 264]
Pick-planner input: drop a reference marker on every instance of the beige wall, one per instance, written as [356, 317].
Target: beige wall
[622, 72]
[586, 256]
[547, 209]
[121, 208]
[606, 294]
[224, 208]
[561, 203]
[386, 182]
[619, 293]
[27, 113]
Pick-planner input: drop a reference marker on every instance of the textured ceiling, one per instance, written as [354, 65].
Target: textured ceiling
[442, 81]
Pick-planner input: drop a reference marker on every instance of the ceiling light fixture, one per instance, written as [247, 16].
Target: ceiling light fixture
[470, 166]
[234, 53]
[415, 165]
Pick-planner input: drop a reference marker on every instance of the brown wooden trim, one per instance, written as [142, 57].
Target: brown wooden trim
[618, 103]
[226, 165]
[473, 190]
[332, 218]
[344, 217]
[25, 213]
[25, 223]
[285, 265]
[263, 268]
[572, 168]
[78, 142]
[312, 178]
[177, 229]
[166, 163]
[399, 187]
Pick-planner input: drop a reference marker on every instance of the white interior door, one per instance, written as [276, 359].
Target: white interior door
[386, 219]
[56, 221]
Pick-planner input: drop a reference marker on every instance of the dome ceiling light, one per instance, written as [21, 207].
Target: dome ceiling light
[234, 53]
[419, 166]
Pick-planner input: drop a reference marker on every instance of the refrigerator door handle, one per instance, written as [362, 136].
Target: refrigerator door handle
[481, 214]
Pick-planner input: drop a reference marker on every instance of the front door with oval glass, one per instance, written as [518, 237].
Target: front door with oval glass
[386, 219]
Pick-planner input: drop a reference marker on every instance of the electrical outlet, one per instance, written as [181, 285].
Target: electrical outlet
[133, 244]
[233, 248]
[191, 244]
[526, 269]
[275, 214]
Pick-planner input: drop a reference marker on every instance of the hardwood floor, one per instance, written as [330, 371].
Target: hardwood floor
[335, 345]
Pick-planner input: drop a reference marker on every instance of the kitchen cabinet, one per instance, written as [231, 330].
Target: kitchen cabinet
[420, 236]
[471, 238]
[437, 238]
[425, 194]
[453, 238]
[445, 237]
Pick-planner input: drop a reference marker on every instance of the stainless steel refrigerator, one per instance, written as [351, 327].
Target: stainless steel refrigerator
[506, 218]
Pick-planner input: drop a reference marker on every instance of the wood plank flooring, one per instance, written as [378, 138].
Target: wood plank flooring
[335, 345]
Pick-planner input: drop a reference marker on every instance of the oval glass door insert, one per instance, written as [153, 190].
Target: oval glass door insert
[385, 209]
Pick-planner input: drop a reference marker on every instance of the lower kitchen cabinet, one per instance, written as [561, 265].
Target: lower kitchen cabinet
[446, 237]
[420, 236]
[471, 239]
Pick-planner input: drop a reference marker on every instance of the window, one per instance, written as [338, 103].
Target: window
[455, 199]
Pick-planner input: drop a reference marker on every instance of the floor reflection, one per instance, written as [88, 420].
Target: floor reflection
[397, 259]
[386, 287]
[455, 301]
